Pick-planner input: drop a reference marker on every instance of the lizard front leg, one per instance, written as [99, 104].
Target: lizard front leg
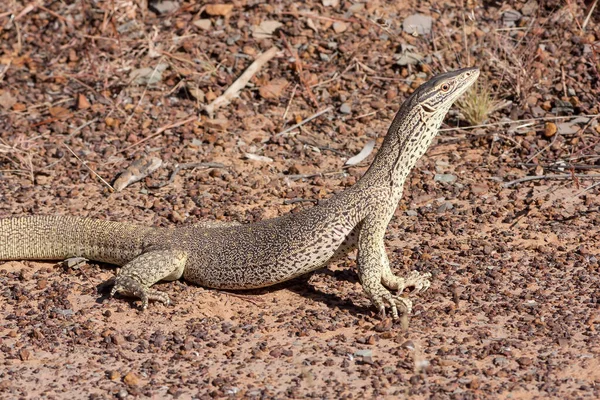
[373, 269]
[137, 276]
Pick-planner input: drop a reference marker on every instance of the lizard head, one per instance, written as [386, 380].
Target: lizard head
[438, 94]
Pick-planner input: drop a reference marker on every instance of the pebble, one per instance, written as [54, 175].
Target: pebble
[345, 108]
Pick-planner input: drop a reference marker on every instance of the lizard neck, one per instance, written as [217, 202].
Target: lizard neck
[408, 138]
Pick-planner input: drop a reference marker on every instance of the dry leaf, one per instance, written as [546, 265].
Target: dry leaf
[148, 76]
[265, 29]
[273, 89]
[364, 153]
[310, 23]
[138, 170]
[59, 112]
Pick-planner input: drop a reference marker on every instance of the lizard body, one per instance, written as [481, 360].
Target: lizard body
[269, 251]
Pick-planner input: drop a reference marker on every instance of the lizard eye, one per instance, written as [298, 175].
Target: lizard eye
[445, 87]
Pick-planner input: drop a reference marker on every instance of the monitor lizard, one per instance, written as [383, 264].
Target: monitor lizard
[248, 256]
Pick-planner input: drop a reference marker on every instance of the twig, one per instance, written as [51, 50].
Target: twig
[241, 82]
[158, 132]
[335, 77]
[304, 121]
[298, 64]
[587, 18]
[564, 84]
[556, 135]
[584, 190]
[179, 167]
[49, 11]
[565, 176]
[541, 119]
[287, 109]
[84, 163]
[562, 167]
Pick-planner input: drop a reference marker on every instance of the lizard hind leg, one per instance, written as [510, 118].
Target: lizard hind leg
[137, 276]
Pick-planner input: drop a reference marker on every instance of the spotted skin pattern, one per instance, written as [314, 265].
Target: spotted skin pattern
[236, 256]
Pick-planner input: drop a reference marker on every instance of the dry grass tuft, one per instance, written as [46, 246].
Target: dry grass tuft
[478, 103]
[20, 155]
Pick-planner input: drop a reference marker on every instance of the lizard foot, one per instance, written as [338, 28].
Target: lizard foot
[382, 298]
[128, 286]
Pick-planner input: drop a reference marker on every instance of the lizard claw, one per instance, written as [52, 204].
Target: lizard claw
[384, 299]
[128, 286]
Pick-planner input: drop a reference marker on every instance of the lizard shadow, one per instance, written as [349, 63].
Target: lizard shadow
[300, 285]
[303, 287]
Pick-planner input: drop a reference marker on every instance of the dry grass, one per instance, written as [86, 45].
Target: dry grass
[20, 154]
[478, 103]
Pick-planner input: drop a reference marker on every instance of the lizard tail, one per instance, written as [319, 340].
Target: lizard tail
[58, 238]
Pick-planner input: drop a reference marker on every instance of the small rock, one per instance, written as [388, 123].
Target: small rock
[529, 8]
[384, 325]
[510, 18]
[474, 384]
[500, 361]
[82, 102]
[355, 8]
[364, 353]
[221, 10]
[446, 206]
[339, 27]
[165, 6]
[7, 100]
[64, 312]
[24, 354]
[42, 179]
[276, 353]
[412, 213]
[131, 379]
[479, 189]
[345, 108]
[445, 178]
[417, 24]
[524, 361]
[550, 129]
[409, 345]
[566, 128]
[114, 375]
[299, 169]
[537, 112]
[204, 24]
